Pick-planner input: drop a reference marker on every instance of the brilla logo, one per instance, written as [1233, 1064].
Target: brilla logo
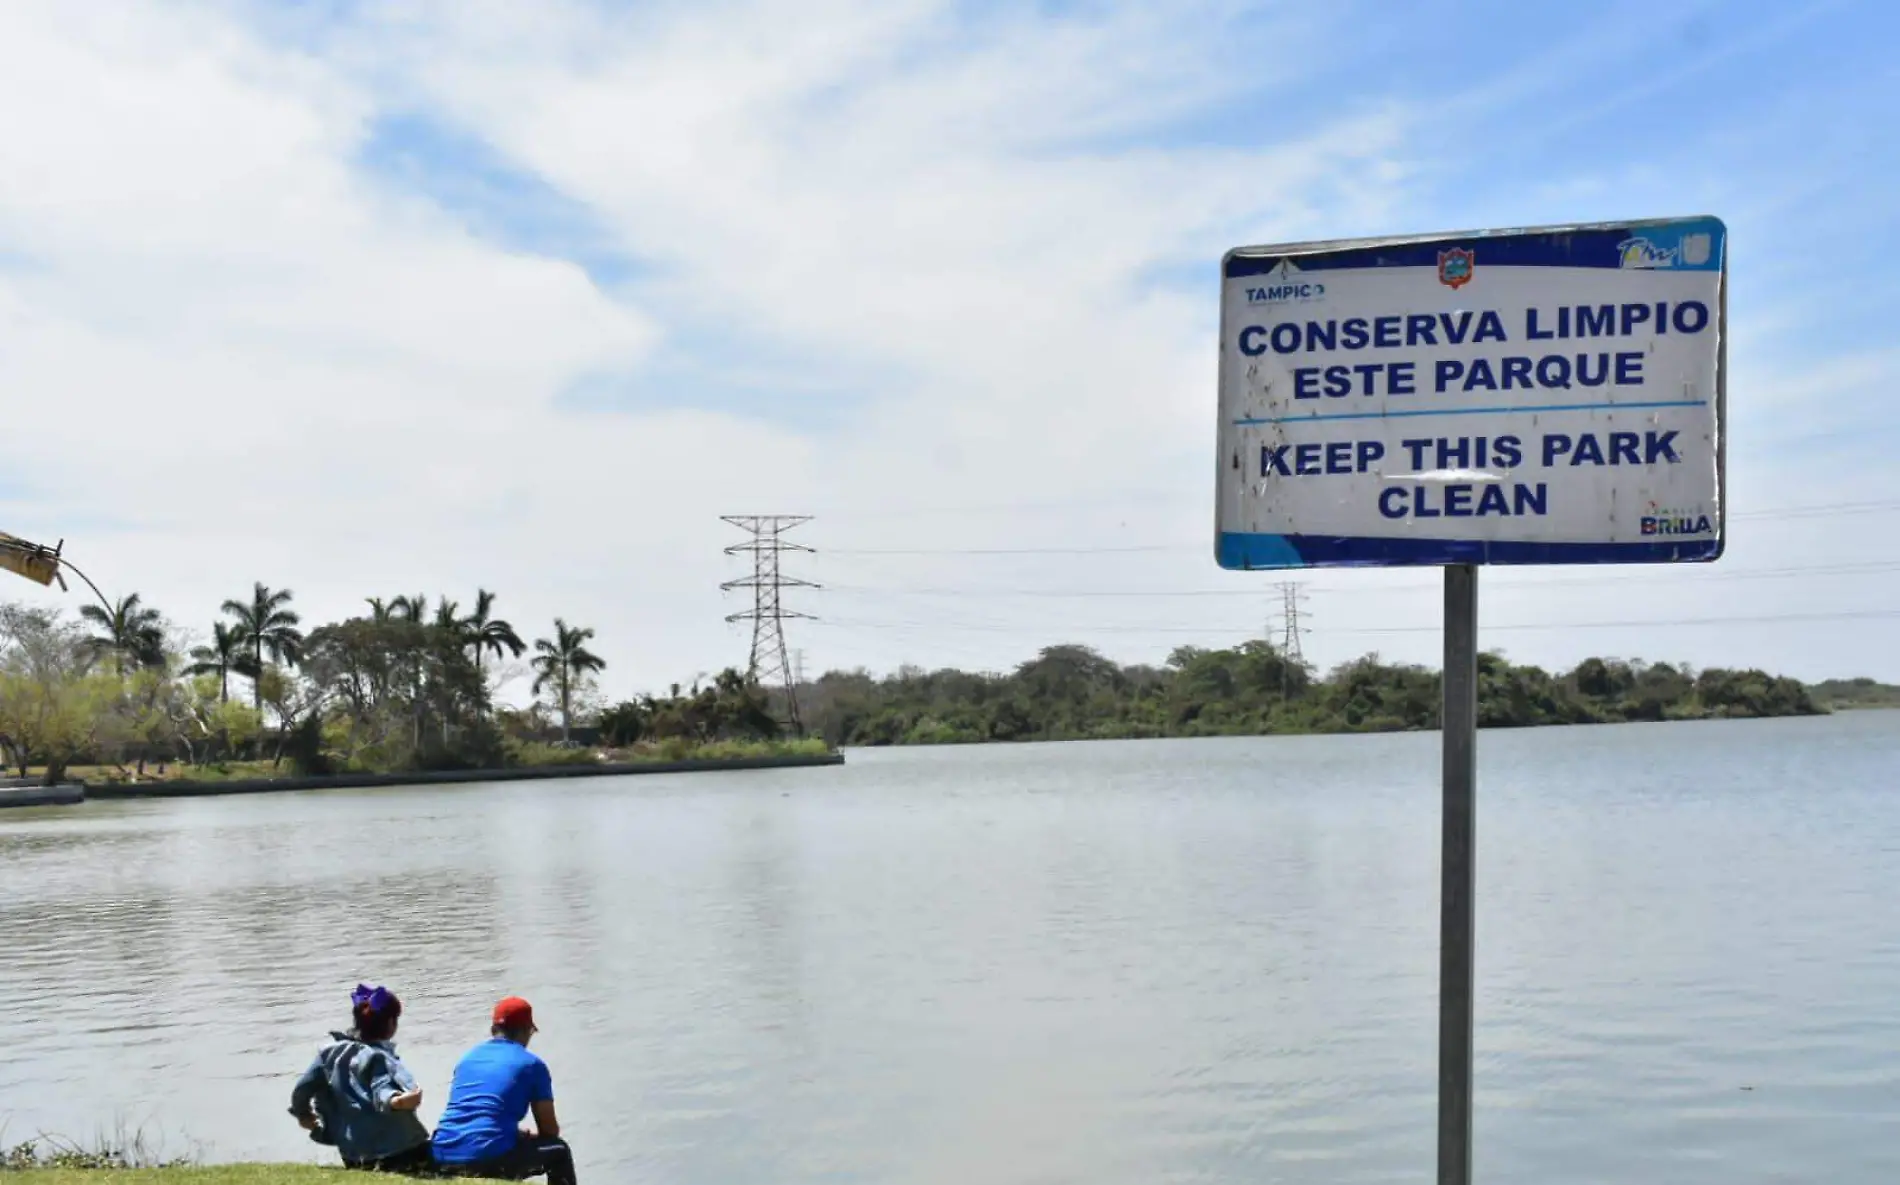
[1672, 522]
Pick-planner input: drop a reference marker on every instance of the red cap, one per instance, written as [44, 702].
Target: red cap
[514, 1013]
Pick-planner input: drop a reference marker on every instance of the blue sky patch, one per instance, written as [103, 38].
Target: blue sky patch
[495, 198]
[697, 371]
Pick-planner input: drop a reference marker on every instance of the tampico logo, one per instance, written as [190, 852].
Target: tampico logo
[1671, 521]
[1285, 283]
[1455, 267]
[1278, 293]
[1640, 252]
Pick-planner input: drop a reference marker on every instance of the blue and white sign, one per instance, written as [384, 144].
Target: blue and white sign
[1544, 396]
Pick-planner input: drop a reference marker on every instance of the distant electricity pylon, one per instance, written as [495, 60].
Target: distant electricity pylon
[770, 663]
[1291, 598]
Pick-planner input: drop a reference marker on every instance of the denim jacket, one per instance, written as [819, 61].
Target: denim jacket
[350, 1083]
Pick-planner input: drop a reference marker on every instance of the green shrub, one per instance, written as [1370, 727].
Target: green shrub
[681, 749]
[52, 1153]
[538, 753]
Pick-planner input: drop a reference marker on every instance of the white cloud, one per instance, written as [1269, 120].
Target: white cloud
[269, 363]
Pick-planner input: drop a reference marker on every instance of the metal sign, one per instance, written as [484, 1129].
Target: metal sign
[1543, 396]
[1547, 396]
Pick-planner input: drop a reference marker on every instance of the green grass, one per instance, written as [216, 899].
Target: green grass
[529, 753]
[230, 1174]
[671, 749]
[675, 749]
[128, 1158]
[538, 753]
[224, 771]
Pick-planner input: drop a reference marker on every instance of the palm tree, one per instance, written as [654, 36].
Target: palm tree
[223, 656]
[414, 608]
[447, 621]
[131, 631]
[379, 611]
[561, 663]
[490, 634]
[453, 630]
[264, 625]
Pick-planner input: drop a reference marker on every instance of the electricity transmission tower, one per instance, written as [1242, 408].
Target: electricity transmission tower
[770, 664]
[1292, 596]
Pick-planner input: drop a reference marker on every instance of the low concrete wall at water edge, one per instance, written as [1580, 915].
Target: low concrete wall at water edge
[64, 794]
[183, 789]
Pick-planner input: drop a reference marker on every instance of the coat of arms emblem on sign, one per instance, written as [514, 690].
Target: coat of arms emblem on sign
[1455, 267]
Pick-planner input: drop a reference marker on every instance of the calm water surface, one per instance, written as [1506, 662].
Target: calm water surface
[1110, 963]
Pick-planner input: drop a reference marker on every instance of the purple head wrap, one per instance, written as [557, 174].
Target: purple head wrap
[373, 1000]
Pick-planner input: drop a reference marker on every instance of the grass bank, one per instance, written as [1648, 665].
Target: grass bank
[595, 769]
[128, 1158]
[524, 760]
[230, 1174]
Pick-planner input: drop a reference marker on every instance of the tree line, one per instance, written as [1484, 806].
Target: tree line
[1852, 694]
[408, 684]
[411, 683]
[1075, 693]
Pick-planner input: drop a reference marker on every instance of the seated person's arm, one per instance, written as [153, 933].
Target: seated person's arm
[306, 1090]
[390, 1090]
[541, 1102]
[411, 1096]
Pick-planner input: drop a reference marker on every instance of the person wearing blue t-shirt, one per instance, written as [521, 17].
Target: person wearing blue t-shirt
[496, 1085]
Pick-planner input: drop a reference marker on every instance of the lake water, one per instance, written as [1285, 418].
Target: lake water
[1127, 962]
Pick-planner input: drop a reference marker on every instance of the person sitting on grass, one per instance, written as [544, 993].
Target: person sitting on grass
[358, 1096]
[496, 1085]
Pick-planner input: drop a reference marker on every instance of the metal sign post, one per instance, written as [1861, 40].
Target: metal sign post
[1457, 892]
[1555, 395]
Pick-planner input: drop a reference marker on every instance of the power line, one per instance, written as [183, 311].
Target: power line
[1787, 512]
[1504, 578]
[769, 662]
[1825, 508]
[1634, 623]
[1004, 621]
[1013, 550]
[1135, 497]
[1174, 494]
[876, 651]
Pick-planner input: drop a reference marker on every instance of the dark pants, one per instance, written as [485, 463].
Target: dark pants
[416, 1161]
[529, 1158]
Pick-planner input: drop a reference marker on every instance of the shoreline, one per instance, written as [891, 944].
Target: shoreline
[962, 742]
[119, 792]
[285, 1173]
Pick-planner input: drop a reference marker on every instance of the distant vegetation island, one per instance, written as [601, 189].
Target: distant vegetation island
[1074, 693]
[1843, 695]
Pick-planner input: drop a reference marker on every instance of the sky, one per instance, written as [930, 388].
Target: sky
[375, 299]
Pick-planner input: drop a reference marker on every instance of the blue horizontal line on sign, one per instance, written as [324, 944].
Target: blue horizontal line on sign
[1525, 409]
[1243, 551]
